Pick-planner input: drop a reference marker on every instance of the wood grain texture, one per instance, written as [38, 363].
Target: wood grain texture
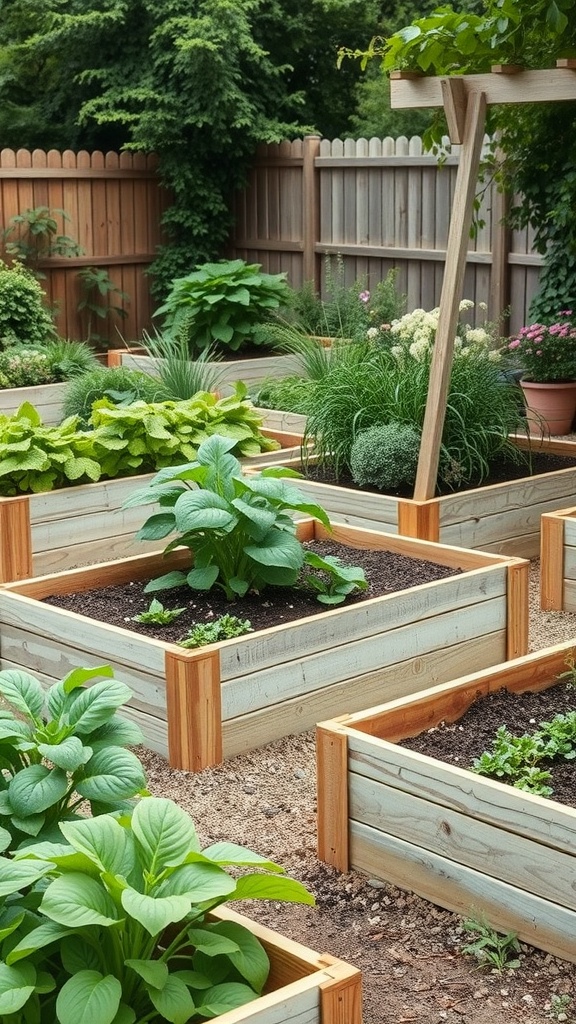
[194, 709]
[46, 398]
[552, 558]
[551, 84]
[332, 768]
[517, 609]
[15, 539]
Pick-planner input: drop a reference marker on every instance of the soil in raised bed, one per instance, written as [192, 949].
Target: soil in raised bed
[500, 472]
[386, 572]
[460, 742]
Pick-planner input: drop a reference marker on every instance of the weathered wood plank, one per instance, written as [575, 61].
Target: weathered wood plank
[251, 371]
[463, 890]
[47, 399]
[303, 712]
[495, 851]
[552, 562]
[448, 786]
[332, 762]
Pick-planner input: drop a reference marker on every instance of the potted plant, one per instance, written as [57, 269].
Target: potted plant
[458, 839]
[547, 354]
[235, 530]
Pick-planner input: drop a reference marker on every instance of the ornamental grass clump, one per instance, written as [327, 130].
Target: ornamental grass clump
[547, 352]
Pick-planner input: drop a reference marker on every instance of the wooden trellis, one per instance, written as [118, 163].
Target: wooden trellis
[465, 99]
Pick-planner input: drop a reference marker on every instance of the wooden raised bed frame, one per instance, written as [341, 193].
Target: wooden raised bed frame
[503, 518]
[55, 530]
[303, 987]
[197, 706]
[458, 839]
[46, 398]
[558, 561]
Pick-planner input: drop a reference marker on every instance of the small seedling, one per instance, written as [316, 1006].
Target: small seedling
[157, 614]
[224, 628]
[491, 950]
[334, 580]
[570, 674]
[559, 1004]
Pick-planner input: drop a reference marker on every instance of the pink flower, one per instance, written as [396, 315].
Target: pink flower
[514, 344]
[364, 296]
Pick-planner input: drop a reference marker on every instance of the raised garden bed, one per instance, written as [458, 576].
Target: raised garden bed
[461, 840]
[54, 530]
[502, 517]
[47, 398]
[558, 561]
[251, 371]
[303, 987]
[198, 706]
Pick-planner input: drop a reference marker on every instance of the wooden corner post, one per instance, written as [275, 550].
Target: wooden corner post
[518, 600]
[194, 709]
[332, 774]
[15, 539]
[552, 561]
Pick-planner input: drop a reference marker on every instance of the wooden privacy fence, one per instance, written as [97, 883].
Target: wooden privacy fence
[114, 202]
[380, 204]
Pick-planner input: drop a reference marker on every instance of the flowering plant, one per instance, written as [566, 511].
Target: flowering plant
[547, 353]
[413, 335]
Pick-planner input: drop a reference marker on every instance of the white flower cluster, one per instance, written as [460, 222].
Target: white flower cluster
[415, 332]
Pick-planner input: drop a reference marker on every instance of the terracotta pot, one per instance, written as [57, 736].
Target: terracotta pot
[550, 407]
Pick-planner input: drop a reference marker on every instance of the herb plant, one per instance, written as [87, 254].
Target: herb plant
[237, 527]
[492, 950]
[224, 304]
[24, 319]
[98, 938]
[60, 748]
[223, 628]
[181, 376]
[157, 614]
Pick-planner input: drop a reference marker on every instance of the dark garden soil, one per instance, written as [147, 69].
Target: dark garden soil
[500, 472]
[385, 571]
[460, 742]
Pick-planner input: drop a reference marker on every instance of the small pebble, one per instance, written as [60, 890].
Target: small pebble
[376, 883]
[300, 773]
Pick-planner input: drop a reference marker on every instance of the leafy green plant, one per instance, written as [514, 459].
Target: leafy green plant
[121, 932]
[559, 1004]
[225, 304]
[491, 950]
[24, 319]
[517, 759]
[22, 367]
[333, 580]
[68, 359]
[33, 236]
[118, 383]
[182, 376]
[157, 614]
[98, 294]
[223, 628]
[294, 394]
[385, 456]
[237, 527]
[37, 458]
[60, 748]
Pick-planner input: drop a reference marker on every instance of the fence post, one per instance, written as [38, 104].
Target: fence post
[310, 210]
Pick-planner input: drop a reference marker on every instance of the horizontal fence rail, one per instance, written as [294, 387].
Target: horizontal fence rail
[381, 204]
[114, 203]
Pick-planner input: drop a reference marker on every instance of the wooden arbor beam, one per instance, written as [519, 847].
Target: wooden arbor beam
[464, 98]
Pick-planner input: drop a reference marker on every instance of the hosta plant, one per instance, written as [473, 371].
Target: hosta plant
[61, 747]
[224, 304]
[237, 527]
[120, 933]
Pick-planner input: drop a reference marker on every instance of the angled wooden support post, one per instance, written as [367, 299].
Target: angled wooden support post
[451, 291]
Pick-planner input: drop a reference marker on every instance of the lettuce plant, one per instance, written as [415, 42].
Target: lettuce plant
[120, 933]
[60, 748]
[237, 527]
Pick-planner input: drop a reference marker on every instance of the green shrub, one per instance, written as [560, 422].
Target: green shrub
[117, 383]
[24, 319]
[385, 456]
[225, 304]
[24, 367]
[69, 359]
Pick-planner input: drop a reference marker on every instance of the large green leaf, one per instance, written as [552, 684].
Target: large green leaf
[211, 943]
[257, 520]
[164, 832]
[20, 874]
[166, 582]
[112, 774]
[153, 972]
[227, 996]
[102, 840]
[97, 704]
[89, 998]
[23, 692]
[271, 887]
[16, 987]
[78, 954]
[200, 881]
[173, 1002]
[80, 676]
[68, 755]
[231, 853]
[277, 548]
[250, 960]
[38, 938]
[118, 732]
[157, 526]
[203, 578]
[198, 510]
[36, 788]
[154, 913]
[75, 900]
